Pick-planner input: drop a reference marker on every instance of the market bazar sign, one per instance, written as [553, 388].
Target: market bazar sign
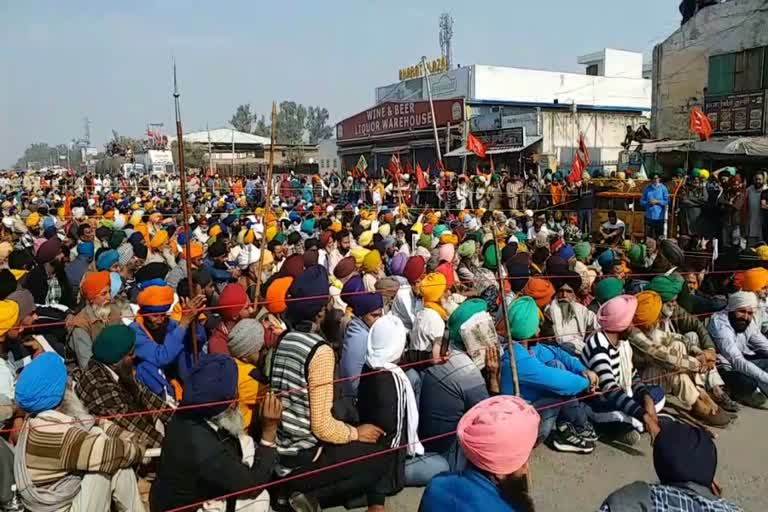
[392, 117]
[435, 66]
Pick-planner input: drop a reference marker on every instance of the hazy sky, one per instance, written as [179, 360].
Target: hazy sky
[111, 61]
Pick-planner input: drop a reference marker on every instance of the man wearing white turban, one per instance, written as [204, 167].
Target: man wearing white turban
[742, 350]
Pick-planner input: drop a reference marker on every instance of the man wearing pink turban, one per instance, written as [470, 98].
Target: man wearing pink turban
[497, 436]
[624, 398]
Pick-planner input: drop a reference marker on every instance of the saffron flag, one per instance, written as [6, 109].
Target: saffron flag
[393, 169]
[421, 181]
[475, 146]
[577, 168]
[584, 150]
[700, 124]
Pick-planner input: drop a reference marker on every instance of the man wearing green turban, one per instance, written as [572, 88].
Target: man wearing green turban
[668, 287]
[583, 251]
[636, 255]
[547, 376]
[467, 249]
[608, 288]
[490, 257]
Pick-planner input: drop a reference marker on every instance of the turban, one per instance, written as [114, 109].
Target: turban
[490, 258]
[156, 218]
[418, 228]
[232, 301]
[540, 290]
[438, 231]
[335, 226]
[433, 287]
[125, 253]
[556, 266]
[467, 249]
[310, 288]
[669, 287]
[117, 238]
[94, 283]
[359, 254]
[5, 250]
[616, 314]
[365, 239]
[385, 230]
[49, 250]
[361, 303]
[345, 267]
[25, 301]
[41, 384]
[569, 278]
[449, 238]
[414, 269]
[9, 315]
[648, 308]
[762, 252]
[195, 251]
[308, 226]
[582, 250]
[682, 453]
[372, 262]
[8, 283]
[106, 259]
[270, 233]
[608, 288]
[86, 249]
[462, 314]
[498, 434]
[636, 254]
[155, 299]
[739, 300]
[672, 252]
[523, 315]
[212, 379]
[33, 220]
[246, 337]
[566, 252]
[397, 264]
[446, 252]
[293, 265]
[116, 284]
[113, 343]
[754, 279]
[425, 241]
[606, 258]
[325, 239]
[276, 293]
[447, 270]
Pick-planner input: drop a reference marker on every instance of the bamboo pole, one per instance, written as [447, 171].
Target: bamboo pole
[512, 362]
[184, 210]
[268, 205]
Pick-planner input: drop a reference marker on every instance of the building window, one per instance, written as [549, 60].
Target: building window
[738, 72]
[334, 163]
[592, 70]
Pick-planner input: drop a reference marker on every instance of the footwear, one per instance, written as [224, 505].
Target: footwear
[587, 432]
[302, 503]
[756, 400]
[630, 438]
[720, 419]
[726, 402]
[565, 439]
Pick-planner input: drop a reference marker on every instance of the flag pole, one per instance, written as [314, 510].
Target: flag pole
[505, 313]
[432, 109]
[267, 205]
[184, 210]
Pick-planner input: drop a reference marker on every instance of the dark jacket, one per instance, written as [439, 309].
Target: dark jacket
[199, 463]
[37, 284]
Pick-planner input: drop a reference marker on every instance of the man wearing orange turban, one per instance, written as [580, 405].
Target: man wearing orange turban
[99, 312]
[540, 290]
[663, 358]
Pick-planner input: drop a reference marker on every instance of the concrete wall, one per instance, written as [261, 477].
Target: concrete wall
[495, 83]
[681, 62]
[327, 157]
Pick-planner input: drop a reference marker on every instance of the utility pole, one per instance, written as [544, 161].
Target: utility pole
[432, 109]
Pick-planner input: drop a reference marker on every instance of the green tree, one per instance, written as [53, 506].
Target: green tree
[261, 127]
[195, 155]
[291, 120]
[317, 124]
[243, 118]
[39, 154]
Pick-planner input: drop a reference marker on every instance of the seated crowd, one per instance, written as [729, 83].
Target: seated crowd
[300, 358]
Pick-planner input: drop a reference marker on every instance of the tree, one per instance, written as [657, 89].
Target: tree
[317, 124]
[243, 118]
[261, 127]
[195, 155]
[291, 120]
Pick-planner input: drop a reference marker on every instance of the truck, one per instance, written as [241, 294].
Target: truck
[156, 162]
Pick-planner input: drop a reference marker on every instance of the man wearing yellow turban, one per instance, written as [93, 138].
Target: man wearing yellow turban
[663, 358]
[373, 269]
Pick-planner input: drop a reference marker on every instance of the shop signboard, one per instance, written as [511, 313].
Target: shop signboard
[507, 137]
[450, 84]
[742, 113]
[393, 117]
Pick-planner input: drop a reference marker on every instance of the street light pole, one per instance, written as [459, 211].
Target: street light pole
[432, 109]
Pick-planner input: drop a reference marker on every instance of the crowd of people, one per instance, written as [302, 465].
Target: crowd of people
[320, 350]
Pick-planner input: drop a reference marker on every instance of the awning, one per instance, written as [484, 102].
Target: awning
[747, 146]
[529, 141]
[666, 146]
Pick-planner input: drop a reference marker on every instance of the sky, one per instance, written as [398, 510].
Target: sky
[112, 61]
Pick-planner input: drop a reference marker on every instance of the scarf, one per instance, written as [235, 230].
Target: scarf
[50, 498]
[625, 367]
[434, 306]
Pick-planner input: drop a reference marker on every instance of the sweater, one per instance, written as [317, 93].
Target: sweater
[464, 491]
[537, 380]
[353, 352]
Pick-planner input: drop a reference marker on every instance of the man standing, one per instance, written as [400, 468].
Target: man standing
[754, 210]
[655, 200]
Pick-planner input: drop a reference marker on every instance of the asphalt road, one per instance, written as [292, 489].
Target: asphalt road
[571, 483]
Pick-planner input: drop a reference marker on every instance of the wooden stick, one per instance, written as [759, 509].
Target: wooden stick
[268, 205]
[512, 362]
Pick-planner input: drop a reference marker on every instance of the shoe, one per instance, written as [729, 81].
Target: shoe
[756, 400]
[587, 432]
[721, 419]
[726, 402]
[630, 438]
[302, 503]
[565, 439]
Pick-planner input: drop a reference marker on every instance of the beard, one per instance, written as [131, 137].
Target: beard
[71, 405]
[102, 312]
[566, 309]
[343, 250]
[230, 421]
[739, 324]
[667, 311]
[514, 490]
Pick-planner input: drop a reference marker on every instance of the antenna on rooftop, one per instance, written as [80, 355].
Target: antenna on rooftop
[446, 35]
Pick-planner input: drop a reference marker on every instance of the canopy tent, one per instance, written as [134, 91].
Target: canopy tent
[746, 146]
[223, 136]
